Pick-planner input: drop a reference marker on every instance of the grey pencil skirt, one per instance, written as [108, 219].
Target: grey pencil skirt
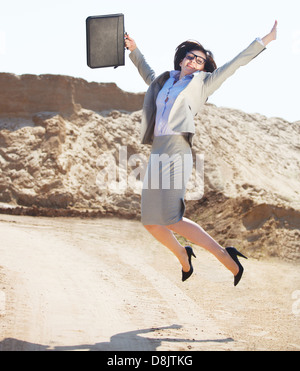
[169, 169]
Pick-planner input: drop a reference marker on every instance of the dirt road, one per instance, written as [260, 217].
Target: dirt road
[77, 284]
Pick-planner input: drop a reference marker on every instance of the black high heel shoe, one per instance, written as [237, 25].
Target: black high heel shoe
[233, 252]
[190, 252]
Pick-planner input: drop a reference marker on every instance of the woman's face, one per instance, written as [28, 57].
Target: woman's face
[194, 61]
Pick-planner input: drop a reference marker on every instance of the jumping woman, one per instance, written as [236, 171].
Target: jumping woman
[171, 102]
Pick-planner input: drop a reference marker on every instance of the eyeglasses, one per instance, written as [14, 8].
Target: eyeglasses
[199, 60]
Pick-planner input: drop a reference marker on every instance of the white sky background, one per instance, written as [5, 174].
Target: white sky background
[48, 36]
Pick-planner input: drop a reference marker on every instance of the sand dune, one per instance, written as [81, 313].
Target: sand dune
[90, 163]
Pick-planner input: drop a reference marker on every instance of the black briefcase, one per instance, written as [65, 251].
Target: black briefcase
[105, 41]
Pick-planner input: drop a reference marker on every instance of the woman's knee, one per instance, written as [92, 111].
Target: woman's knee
[152, 228]
[173, 227]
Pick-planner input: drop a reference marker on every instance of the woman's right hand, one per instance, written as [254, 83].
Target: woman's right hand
[130, 43]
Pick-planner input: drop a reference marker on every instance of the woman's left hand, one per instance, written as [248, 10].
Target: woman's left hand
[271, 36]
[273, 32]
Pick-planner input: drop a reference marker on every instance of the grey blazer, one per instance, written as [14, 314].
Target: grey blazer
[192, 99]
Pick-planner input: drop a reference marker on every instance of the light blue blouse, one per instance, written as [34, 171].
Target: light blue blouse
[165, 100]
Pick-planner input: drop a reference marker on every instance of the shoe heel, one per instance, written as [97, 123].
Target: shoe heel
[233, 252]
[190, 253]
[241, 255]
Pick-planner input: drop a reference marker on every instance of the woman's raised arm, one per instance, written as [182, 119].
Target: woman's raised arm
[139, 61]
[215, 79]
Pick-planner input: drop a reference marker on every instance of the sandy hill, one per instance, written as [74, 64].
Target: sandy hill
[68, 147]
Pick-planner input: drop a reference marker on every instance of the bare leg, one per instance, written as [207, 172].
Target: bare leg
[167, 238]
[194, 233]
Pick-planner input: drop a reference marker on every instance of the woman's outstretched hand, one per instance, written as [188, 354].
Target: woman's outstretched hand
[271, 36]
[130, 43]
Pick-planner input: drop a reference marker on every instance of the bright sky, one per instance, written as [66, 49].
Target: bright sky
[48, 36]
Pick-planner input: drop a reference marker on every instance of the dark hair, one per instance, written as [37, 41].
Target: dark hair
[189, 45]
